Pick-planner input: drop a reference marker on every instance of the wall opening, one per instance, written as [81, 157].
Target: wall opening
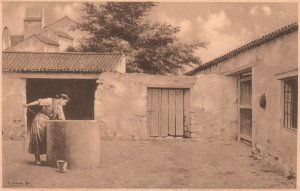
[80, 91]
[245, 106]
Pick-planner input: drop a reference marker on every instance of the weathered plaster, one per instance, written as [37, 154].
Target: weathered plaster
[121, 104]
[270, 63]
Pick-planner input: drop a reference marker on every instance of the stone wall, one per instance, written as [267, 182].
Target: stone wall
[121, 105]
[121, 102]
[13, 112]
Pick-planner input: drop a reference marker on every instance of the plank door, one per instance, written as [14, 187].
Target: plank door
[245, 106]
[153, 112]
[172, 113]
[163, 113]
[168, 112]
[179, 112]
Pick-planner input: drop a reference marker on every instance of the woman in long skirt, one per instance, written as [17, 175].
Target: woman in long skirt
[52, 109]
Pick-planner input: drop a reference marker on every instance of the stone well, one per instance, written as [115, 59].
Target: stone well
[75, 141]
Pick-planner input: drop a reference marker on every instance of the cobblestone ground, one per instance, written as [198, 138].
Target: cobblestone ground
[150, 164]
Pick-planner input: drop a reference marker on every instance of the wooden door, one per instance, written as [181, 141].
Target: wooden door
[245, 107]
[168, 113]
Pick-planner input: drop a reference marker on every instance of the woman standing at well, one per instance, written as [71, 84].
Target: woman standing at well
[52, 109]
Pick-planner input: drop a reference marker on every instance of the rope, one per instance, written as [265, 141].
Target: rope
[36, 113]
[31, 111]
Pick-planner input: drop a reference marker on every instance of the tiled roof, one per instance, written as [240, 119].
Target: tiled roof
[46, 40]
[59, 62]
[42, 38]
[62, 34]
[15, 39]
[32, 19]
[255, 43]
[65, 17]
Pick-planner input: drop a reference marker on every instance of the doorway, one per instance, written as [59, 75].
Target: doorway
[168, 112]
[80, 91]
[245, 106]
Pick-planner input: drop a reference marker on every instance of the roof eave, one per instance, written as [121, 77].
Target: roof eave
[253, 44]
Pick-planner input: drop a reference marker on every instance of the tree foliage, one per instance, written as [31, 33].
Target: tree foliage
[150, 47]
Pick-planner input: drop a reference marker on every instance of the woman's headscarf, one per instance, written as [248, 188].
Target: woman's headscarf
[64, 96]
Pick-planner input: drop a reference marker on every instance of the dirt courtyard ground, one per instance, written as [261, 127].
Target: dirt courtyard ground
[150, 164]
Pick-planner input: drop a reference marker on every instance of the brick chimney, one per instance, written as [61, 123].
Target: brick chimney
[33, 22]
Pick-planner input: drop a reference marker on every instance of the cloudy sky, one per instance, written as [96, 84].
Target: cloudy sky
[224, 26]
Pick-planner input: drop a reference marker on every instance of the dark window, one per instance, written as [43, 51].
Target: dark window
[290, 103]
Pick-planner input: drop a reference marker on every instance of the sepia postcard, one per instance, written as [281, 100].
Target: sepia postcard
[149, 95]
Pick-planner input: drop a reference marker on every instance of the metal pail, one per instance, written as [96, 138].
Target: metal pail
[61, 166]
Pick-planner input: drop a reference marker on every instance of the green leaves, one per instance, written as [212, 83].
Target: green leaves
[122, 27]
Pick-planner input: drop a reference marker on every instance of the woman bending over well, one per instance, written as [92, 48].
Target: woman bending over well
[52, 109]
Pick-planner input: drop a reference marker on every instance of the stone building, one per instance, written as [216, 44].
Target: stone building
[264, 73]
[55, 37]
[28, 76]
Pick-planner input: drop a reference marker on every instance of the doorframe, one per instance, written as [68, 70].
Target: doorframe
[239, 80]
